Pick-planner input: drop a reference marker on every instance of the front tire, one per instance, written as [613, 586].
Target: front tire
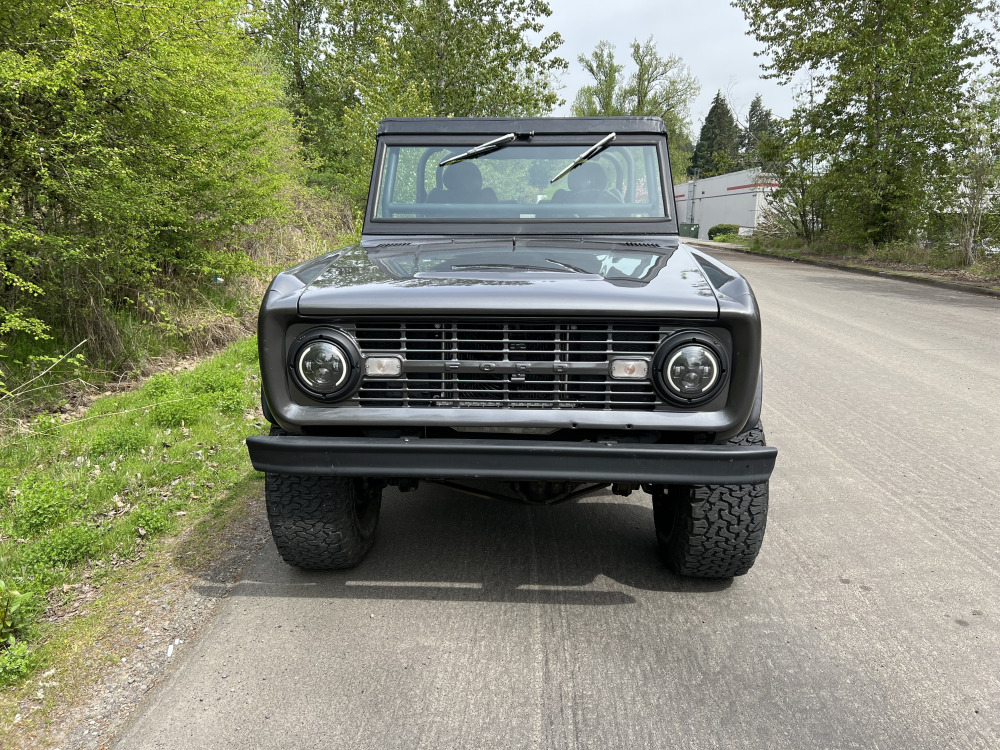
[712, 530]
[322, 522]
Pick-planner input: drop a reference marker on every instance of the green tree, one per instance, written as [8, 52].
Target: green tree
[462, 57]
[482, 58]
[717, 149]
[976, 174]
[800, 205]
[658, 86]
[606, 95]
[295, 31]
[137, 137]
[385, 91]
[888, 80]
[322, 46]
[760, 127]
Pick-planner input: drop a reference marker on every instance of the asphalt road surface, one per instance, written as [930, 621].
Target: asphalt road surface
[871, 620]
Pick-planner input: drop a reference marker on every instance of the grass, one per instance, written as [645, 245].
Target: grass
[90, 498]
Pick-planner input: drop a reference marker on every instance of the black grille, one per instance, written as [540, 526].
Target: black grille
[514, 365]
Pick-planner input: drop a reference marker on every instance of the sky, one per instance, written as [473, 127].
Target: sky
[710, 36]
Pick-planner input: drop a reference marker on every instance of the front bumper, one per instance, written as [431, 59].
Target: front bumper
[512, 460]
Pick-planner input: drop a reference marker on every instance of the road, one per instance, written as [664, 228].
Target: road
[871, 620]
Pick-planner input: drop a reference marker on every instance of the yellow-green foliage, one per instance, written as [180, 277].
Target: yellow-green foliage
[15, 659]
[83, 493]
[137, 138]
[388, 90]
[15, 662]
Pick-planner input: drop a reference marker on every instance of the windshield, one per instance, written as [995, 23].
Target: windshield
[515, 183]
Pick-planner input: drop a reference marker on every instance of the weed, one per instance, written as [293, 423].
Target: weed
[152, 520]
[13, 614]
[184, 410]
[732, 239]
[124, 440]
[40, 504]
[16, 662]
[61, 548]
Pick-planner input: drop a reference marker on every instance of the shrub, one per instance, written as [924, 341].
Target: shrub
[723, 229]
[143, 193]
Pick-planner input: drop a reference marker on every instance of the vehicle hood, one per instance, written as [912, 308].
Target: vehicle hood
[544, 276]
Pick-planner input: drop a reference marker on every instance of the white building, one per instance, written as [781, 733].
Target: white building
[735, 198]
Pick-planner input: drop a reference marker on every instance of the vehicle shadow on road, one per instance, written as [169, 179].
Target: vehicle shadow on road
[440, 544]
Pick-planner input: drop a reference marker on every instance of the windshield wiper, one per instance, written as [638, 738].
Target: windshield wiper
[590, 153]
[484, 148]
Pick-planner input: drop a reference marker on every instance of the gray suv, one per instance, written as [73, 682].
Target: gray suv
[518, 320]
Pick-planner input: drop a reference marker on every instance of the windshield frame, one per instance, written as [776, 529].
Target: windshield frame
[582, 226]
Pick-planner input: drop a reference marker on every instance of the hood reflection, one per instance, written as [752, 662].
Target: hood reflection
[505, 260]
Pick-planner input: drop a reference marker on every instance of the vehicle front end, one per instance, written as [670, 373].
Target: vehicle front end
[515, 324]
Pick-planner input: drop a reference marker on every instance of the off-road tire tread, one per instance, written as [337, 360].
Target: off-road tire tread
[314, 520]
[713, 531]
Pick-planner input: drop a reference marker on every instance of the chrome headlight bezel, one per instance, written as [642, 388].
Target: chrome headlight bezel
[667, 352]
[345, 347]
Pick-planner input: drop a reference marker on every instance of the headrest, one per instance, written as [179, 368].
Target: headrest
[587, 177]
[464, 176]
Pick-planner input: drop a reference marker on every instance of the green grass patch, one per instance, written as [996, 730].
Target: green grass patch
[90, 494]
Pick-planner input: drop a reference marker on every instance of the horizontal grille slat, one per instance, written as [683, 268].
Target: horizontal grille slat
[445, 364]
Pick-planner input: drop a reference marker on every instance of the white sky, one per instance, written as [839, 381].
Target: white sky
[709, 35]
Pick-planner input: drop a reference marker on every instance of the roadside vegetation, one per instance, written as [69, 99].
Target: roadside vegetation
[934, 261]
[82, 496]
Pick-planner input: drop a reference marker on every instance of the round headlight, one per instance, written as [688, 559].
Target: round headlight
[690, 368]
[691, 371]
[322, 366]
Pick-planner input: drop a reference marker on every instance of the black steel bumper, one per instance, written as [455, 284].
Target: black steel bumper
[418, 458]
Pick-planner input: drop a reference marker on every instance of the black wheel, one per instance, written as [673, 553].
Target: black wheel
[712, 530]
[322, 523]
